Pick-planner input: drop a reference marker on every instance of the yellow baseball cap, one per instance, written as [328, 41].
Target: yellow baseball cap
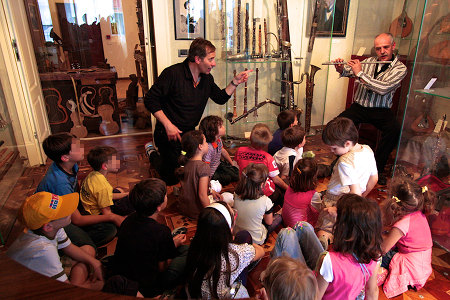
[43, 207]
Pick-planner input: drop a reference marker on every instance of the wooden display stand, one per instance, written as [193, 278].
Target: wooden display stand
[95, 87]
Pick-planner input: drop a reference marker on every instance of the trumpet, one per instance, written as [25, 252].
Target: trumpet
[363, 62]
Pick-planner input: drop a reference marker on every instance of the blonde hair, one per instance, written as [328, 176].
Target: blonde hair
[260, 136]
[287, 278]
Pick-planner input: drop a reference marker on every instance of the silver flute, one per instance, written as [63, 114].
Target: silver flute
[363, 62]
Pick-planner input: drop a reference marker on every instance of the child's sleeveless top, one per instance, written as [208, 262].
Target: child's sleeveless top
[348, 277]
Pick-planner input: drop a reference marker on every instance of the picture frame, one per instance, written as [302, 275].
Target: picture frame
[340, 19]
[189, 19]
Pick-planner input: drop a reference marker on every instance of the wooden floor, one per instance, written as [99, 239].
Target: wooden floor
[135, 167]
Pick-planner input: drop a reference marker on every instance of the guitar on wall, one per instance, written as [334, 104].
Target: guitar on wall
[402, 25]
[78, 129]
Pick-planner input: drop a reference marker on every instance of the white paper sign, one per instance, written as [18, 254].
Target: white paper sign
[361, 51]
[430, 83]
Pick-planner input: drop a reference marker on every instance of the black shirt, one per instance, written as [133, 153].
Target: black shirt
[182, 103]
[143, 243]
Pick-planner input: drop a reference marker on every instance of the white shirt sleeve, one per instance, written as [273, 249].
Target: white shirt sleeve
[62, 239]
[346, 174]
[326, 270]
[316, 201]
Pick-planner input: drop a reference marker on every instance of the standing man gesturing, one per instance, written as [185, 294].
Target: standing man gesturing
[178, 98]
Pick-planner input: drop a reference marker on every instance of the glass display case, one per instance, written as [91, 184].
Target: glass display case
[424, 144]
[263, 35]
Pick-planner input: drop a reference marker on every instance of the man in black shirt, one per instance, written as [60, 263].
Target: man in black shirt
[177, 100]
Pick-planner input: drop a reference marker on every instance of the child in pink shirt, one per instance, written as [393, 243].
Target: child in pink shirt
[301, 201]
[408, 243]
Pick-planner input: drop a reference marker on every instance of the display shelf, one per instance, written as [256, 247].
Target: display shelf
[438, 92]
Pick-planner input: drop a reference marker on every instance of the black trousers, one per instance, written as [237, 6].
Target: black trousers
[384, 120]
[166, 161]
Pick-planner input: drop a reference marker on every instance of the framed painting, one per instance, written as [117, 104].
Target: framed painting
[189, 19]
[327, 23]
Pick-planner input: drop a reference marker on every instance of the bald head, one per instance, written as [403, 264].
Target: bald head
[384, 46]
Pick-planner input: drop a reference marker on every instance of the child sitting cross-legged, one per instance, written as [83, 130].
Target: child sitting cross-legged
[194, 175]
[293, 139]
[301, 201]
[408, 244]
[254, 208]
[259, 139]
[146, 252]
[44, 215]
[226, 170]
[96, 193]
[354, 172]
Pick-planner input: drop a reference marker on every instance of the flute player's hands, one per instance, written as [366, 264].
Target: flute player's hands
[355, 64]
[340, 66]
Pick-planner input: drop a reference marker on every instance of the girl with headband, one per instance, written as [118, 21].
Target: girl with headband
[407, 245]
[215, 262]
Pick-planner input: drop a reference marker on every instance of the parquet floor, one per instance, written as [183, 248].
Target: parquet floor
[135, 167]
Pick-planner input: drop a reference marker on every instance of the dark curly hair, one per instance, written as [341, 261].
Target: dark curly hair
[358, 228]
[404, 197]
[304, 175]
[210, 127]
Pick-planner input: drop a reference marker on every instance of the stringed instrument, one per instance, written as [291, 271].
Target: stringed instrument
[402, 25]
[78, 129]
[108, 126]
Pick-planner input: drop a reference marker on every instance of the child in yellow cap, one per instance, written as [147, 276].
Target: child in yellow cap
[44, 215]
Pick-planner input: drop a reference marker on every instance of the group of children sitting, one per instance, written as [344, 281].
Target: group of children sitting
[149, 260]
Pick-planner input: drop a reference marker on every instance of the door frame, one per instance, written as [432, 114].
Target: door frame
[14, 58]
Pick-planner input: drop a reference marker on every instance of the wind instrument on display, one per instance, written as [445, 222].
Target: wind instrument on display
[260, 42]
[309, 95]
[314, 23]
[255, 114]
[247, 29]
[238, 34]
[245, 95]
[254, 38]
[266, 41]
[229, 116]
[234, 98]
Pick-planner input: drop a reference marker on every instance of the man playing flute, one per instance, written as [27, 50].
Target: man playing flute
[373, 98]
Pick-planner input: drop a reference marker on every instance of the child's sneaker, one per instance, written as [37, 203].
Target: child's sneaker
[149, 148]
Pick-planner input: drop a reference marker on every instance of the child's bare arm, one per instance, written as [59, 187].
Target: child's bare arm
[227, 156]
[203, 186]
[259, 252]
[372, 287]
[84, 220]
[79, 255]
[391, 239]
[268, 218]
[117, 219]
[321, 282]
[121, 195]
[278, 181]
[373, 179]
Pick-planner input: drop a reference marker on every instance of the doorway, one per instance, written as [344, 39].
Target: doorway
[91, 60]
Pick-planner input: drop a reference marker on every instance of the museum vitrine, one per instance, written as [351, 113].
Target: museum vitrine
[274, 41]
[424, 144]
